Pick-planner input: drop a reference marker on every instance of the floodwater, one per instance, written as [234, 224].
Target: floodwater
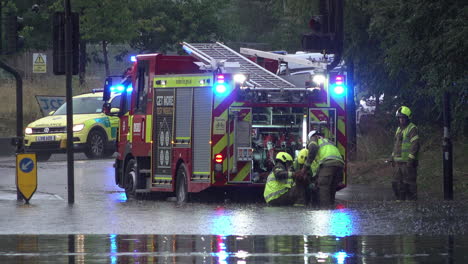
[221, 249]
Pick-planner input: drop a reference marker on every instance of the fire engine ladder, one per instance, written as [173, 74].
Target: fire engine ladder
[286, 58]
[259, 77]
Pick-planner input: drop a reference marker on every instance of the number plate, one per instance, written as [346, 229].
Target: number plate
[45, 138]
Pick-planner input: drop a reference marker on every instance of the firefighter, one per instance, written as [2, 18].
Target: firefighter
[405, 156]
[300, 159]
[281, 187]
[327, 165]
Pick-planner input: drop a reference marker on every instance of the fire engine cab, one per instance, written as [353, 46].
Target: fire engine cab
[217, 118]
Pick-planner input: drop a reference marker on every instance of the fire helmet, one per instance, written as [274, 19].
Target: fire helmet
[302, 156]
[403, 111]
[284, 157]
[311, 134]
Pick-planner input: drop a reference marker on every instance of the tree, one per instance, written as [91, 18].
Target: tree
[413, 50]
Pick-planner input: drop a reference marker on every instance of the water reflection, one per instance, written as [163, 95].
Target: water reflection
[231, 249]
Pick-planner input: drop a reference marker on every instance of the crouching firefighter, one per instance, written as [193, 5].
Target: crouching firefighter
[281, 187]
[327, 165]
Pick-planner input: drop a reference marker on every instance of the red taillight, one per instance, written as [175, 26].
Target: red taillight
[219, 158]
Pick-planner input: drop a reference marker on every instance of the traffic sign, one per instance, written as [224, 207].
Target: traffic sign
[39, 63]
[26, 174]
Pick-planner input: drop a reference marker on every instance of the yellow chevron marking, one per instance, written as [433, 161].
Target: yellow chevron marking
[242, 173]
[342, 126]
[220, 145]
[340, 102]
[341, 148]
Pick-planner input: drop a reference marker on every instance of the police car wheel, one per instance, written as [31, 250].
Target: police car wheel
[43, 156]
[95, 145]
[130, 179]
[181, 187]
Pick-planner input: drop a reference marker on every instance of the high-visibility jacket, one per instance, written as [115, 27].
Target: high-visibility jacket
[406, 144]
[274, 187]
[326, 151]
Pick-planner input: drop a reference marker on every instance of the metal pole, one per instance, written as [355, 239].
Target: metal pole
[447, 150]
[351, 112]
[69, 94]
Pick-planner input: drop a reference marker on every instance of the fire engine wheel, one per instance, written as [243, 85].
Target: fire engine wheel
[131, 180]
[96, 143]
[181, 187]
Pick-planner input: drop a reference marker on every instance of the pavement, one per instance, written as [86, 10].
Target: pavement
[6, 149]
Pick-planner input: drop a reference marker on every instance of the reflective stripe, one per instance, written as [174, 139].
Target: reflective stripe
[275, 188]
[276, 194]
[325, 143]
[405, 143]
[334, 158]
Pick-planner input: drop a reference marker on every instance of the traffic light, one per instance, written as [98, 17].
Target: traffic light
[12, 26]
[58, 37]
[338, 84]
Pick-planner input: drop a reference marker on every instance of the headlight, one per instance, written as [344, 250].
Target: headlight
[28, 131]
[319, 79]
[240, 78]
[78, 127]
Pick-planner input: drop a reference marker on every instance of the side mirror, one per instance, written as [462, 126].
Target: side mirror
[115, 110]
[106, 108]
[107, 92]
[51, 112]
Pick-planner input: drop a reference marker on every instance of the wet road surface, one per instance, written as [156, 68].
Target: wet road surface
[365, 226]
[232, 249]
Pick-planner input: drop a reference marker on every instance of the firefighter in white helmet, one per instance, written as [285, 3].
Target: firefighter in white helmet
[405, 156]
[327, 165]
[281, 187]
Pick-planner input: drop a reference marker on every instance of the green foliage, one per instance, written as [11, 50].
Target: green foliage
[414, 50]
[163, 24]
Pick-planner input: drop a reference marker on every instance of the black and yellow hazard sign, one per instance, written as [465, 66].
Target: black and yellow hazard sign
[26, 174]
[39, 63]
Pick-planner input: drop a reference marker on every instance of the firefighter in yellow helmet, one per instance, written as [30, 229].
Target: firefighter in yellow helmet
[300, 159]
[405, 156]
[327, 165]
[281, 187]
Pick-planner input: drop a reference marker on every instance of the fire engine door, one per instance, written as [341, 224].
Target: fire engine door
[240, 145]
[140, 107]
[323, 120]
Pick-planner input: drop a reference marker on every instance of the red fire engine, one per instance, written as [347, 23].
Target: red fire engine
[217, 118]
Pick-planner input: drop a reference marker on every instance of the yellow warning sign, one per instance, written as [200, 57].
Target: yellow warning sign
[26, 174]
[39, 63]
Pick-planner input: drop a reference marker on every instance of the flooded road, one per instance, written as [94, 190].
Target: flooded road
[365, 226]
[232, 249]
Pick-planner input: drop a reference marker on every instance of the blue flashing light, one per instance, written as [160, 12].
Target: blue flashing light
[339, 89]
[133, 58]
[340, 257]
[220, 85]
[220, 88]
[119, 88]
[338, 85]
